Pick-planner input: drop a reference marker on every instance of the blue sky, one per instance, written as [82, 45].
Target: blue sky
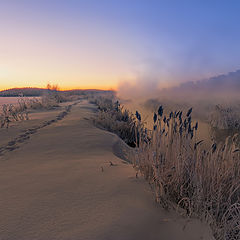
[103, 42]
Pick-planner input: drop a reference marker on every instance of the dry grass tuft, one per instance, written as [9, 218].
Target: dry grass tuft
[114, 118]
[12, 113]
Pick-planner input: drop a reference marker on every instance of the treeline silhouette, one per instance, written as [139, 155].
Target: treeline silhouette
[35, 92]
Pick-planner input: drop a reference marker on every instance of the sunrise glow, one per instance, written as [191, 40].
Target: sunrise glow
[84, 44]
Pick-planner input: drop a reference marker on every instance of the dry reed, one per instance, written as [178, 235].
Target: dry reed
[183, 174]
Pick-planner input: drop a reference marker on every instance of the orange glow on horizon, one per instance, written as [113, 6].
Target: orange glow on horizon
[66, 88]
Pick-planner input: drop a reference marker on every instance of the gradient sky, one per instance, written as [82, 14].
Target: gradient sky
[99, 43]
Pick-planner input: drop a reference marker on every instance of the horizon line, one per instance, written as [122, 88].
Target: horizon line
[62, 89]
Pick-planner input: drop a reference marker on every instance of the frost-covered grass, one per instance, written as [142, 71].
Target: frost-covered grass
[184, 173]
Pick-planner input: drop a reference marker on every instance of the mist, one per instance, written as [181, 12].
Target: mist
[221, 88]
[210, 97]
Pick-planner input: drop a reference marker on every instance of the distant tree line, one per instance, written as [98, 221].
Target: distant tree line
[28, 92]
[36, 92]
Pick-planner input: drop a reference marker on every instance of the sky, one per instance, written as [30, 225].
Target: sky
[106, 43]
